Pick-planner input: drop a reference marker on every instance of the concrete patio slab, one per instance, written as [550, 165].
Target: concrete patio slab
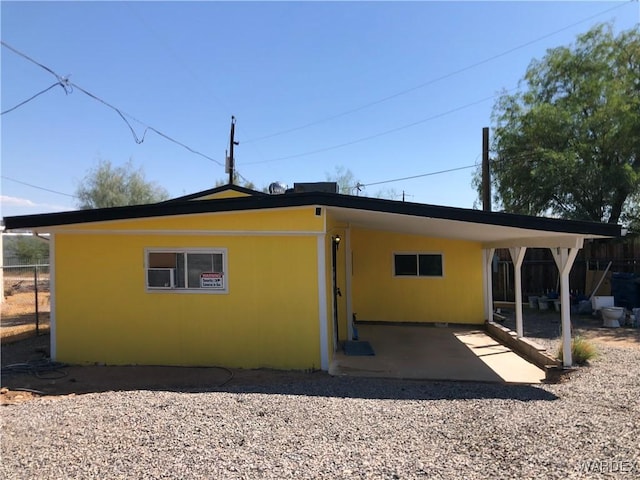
[435, 353]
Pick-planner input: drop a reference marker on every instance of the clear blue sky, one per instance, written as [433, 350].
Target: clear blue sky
[413, 76]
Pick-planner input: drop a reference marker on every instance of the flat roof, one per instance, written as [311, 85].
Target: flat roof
[364, 211]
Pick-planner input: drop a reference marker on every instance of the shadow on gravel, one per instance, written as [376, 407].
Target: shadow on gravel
[66, 382]
[69, 380]
[541, 324]
[21, 319]
[391, 389]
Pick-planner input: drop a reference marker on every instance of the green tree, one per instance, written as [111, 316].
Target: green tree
[346, 180]
[389, 194]
[631, 215]
[27, 249]
[109, 186]
[569, 143]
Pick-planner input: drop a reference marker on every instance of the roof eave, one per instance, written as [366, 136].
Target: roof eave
[187, 207]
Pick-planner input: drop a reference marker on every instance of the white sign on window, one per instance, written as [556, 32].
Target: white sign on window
[212, 280]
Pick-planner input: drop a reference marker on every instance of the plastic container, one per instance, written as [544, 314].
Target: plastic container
[584, 307]
[533, 301]
[625, 288]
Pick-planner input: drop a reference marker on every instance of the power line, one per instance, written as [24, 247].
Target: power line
[30, 98]
[162, 40]
[357, 186]
[475, 165]
[380, 134]
[415, 176]
[434, 80]
[36, 186]
[67, 84]
[61, 80]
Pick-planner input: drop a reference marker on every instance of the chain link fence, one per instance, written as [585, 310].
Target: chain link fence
[26, 303]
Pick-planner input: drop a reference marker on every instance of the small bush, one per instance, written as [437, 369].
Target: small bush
[582, 350]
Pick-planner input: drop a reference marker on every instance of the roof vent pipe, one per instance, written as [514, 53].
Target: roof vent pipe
[277, 188]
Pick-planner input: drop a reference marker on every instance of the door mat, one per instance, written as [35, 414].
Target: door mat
[358, 348]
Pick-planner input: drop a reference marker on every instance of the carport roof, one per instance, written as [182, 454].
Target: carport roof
[493, 229]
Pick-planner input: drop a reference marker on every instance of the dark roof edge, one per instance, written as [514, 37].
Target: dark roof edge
[186, 207]
[487, 218]
[213, 191]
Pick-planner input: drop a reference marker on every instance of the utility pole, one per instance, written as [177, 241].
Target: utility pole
[230, 159]
[486, 175]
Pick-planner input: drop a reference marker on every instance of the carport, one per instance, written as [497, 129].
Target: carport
[435, 353]
[491, 230]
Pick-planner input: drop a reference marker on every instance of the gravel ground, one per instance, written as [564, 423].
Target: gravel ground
[324, 427]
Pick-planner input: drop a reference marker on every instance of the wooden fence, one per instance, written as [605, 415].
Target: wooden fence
[540, 274]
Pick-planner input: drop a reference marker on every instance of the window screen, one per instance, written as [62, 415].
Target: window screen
[418, 265]
[190, 269]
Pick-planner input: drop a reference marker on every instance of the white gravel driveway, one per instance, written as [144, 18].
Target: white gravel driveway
[324, 427]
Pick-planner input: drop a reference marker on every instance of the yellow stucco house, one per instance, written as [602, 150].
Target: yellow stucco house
[239, 278]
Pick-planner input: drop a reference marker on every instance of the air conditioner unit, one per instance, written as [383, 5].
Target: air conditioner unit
[161, 277]
[328, 187]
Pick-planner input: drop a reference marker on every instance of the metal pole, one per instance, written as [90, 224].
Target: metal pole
[35, 280]
[336, 290]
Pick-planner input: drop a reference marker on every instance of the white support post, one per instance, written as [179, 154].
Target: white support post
[487, 282]
[517, 257]
[564, 258]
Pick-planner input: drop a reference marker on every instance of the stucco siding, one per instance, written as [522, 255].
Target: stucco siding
[268, 318]
[378, 295]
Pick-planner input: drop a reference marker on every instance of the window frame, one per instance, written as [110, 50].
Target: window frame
[417, 257]
[186, 251]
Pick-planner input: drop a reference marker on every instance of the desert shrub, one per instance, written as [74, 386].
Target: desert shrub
[582, 350]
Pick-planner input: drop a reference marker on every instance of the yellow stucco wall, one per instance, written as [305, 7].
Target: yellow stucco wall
[270, 315]
[223, 194]
[269, 318]
[379, 296]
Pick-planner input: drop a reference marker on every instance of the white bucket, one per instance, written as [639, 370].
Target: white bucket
[543, 303]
